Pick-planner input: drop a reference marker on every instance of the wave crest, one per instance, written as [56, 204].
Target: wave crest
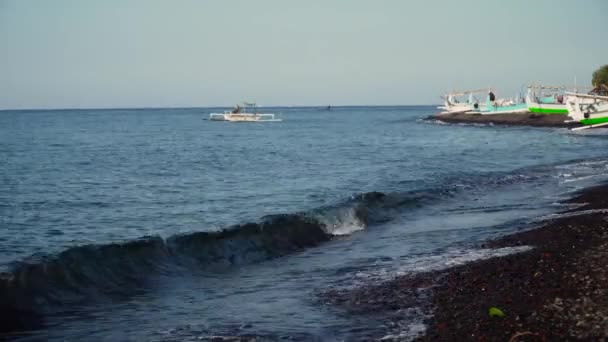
[46, 284]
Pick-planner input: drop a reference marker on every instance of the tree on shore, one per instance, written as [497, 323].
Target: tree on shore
[600, 78]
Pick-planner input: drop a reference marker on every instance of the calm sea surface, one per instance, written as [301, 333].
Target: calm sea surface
[110, 220]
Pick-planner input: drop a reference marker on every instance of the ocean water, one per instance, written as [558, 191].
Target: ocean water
[159, 225]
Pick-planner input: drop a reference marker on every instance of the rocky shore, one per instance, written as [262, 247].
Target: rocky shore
[529, 119]
[558, 290]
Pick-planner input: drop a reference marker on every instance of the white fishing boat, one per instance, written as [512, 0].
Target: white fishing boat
[546, 100]
[590, 110]
[462, 102]
[247, 112]
[502, 106]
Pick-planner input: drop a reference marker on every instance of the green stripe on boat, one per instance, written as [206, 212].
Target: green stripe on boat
[594, 121]
[548, 110]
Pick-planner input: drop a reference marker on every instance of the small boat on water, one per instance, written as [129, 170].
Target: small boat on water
[590, 110]
[247, 112]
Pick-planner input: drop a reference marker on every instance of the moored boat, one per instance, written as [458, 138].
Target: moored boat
[546, 100]
[502, 106]
[589, 110]
[462, 102]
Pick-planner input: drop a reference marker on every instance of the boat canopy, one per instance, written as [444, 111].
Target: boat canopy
[467, 92]
[588, 96]
[544, 87]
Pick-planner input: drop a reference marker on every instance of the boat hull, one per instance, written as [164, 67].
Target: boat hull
[589, 110]
[597, 114]
[513, 109]
[243, 117]
[595, 121]
[547, 108]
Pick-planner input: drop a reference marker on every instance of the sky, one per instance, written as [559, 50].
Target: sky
[194, 53]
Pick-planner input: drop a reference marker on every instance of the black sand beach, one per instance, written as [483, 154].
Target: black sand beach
[556, 291]
[529, 119]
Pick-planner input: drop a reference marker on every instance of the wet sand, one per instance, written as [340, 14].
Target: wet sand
[556, 291]
[529, 119]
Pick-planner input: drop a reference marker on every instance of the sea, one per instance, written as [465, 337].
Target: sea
[160, 225]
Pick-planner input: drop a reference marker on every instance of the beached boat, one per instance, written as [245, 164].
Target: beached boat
[502, 106]
[247, 112]
[546, 100]
[589, 110]
[462, 102]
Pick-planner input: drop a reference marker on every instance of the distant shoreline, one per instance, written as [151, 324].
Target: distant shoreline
[556, 291]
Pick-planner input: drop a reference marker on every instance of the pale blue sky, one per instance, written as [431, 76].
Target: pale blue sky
[129, 53]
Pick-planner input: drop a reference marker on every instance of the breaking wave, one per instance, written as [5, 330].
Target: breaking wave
[51, 284]
[45, 284]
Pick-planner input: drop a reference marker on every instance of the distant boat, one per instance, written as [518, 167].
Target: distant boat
[247, 112]
[589, 110]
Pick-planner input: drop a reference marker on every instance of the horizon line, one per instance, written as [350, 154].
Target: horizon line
[201, 107]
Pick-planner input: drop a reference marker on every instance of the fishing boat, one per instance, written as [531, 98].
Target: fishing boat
[589, 110]
[462, 102]
[502, 106]
[247, 112]
[546, 100]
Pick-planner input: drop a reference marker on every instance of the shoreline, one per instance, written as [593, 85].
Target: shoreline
[557, 290]
[528, 119]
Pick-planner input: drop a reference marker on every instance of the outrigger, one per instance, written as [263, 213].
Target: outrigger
[590, 110]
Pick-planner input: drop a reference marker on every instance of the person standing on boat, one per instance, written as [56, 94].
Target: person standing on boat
[492, 98]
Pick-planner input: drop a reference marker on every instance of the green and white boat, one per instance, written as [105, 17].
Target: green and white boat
[589, 110]
[546, 100]
[502, 106]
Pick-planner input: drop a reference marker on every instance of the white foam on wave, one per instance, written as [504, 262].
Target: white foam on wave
[599, 131]
[430, 263]
[602, 164]
[581, 171]
[572, 214]
[434, 121]
[476, 124]
[344, 221]
[459, 257]
[412, 325]
[570, 178]
[346, 229]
